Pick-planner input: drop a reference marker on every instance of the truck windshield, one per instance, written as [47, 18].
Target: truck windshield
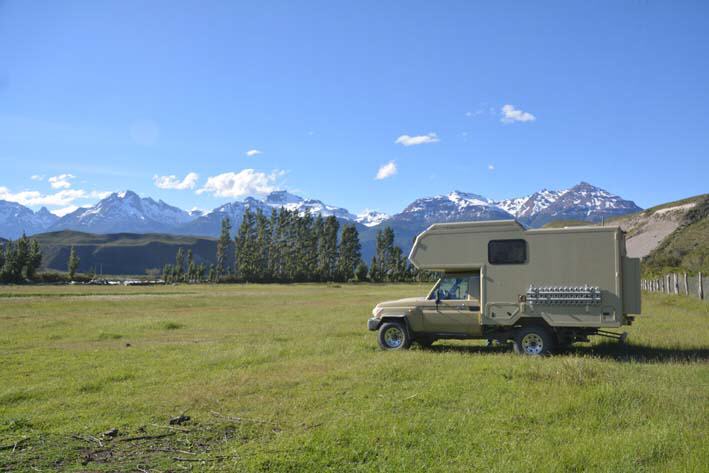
[457, 287]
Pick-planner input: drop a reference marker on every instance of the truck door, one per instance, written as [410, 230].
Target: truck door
[457, 310]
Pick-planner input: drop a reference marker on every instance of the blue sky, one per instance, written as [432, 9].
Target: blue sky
[122, 95]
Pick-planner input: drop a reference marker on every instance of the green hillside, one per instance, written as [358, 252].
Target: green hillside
[121, 253]
[652, 210]
[687, 248]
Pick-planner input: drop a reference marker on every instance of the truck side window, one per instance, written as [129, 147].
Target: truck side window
[458, 287]
[507, 252]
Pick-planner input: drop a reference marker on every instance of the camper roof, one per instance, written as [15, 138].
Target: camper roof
[458, 245]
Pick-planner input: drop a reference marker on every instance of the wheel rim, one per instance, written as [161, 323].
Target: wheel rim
[393, 337]
[532, 344]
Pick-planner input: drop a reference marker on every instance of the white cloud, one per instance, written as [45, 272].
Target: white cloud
[172, 182]
[407, 140]
[242, 183]
[386, 170]
[62, 181]
[490, 167]
[34, 198]
[63, 198]
[37, 177]
[253, 152]
[510, 115]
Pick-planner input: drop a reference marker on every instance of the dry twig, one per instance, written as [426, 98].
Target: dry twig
[146, 437]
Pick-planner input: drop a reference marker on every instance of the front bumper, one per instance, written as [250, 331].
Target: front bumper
[374, 323]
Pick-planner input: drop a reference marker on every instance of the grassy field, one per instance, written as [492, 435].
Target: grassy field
[286, 378]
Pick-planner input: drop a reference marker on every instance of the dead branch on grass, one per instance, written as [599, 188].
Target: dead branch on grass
[146, 437]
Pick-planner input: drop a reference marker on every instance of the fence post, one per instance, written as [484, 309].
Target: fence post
[676, 276]
[686, 285]
[700, 292]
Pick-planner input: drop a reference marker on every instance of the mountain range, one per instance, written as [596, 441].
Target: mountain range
[127, 212]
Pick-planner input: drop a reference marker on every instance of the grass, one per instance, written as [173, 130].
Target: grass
[286, 378]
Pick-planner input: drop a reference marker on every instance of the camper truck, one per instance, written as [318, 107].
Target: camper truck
[540, 289]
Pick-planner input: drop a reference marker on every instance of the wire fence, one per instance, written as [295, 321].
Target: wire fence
[678, 283]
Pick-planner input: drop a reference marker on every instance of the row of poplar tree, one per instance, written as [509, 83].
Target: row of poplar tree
[291, 247]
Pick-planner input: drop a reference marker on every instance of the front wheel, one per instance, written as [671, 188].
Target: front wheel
[393, 336]
[534, 340]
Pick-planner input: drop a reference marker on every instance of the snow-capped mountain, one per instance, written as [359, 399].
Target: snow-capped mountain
[456, 206]
[125, 212]
[278, 199]
[128, 212]
[16, 219]
[209, 224]
[582, 202]
[371, 218]
[530, 205]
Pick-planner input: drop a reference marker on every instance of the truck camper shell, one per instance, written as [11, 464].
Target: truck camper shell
[570, 277]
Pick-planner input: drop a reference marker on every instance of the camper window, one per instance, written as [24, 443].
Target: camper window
[507, 252]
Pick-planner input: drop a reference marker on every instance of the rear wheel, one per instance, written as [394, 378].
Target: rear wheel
[393, 336]
[534, 340]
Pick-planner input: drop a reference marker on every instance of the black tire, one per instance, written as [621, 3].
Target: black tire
[393, 336]
[534, 340]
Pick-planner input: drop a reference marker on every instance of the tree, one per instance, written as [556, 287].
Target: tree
[223, 247]
[167, 273]
[374, 274]
[179, 265]
[2, 259]
[191, 267]
[328, 249]
[23, 254]
[262, 248]
[34, 259]
[73, 263]
[275, 254]
[361, 271]
[12, 269]
[245, 241]
[350, 253]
